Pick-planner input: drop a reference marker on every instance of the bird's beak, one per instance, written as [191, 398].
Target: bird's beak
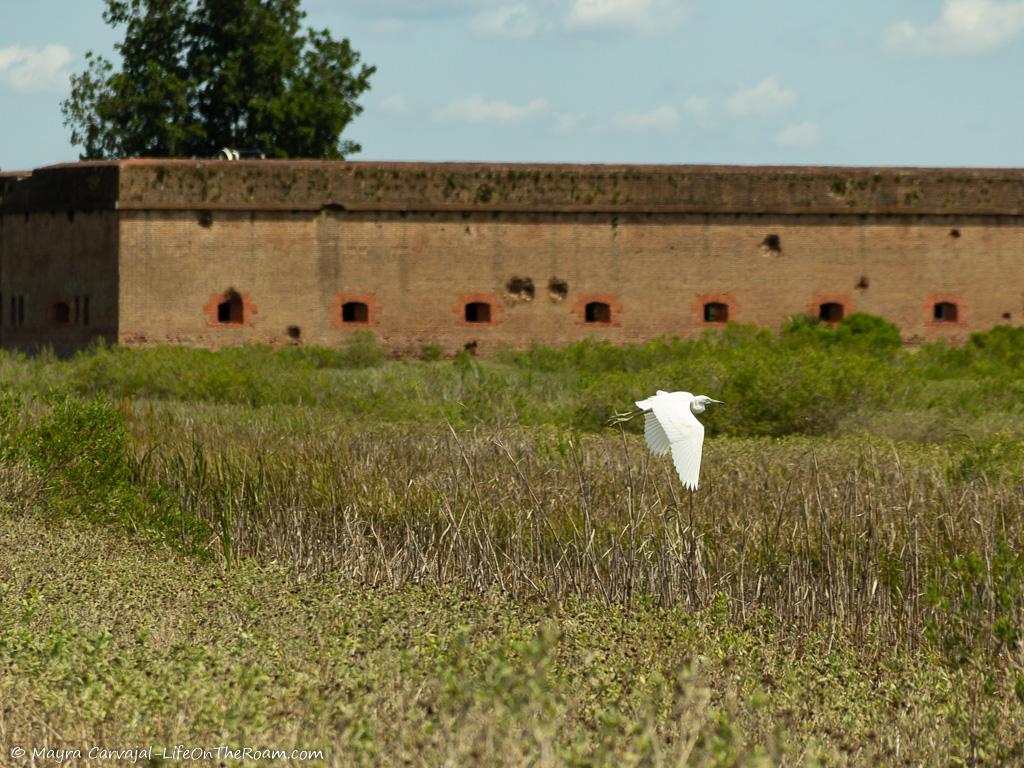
[712, 400]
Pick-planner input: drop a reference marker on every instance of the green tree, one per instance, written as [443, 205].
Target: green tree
[198, 75]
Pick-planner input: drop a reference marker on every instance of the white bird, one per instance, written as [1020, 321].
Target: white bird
[670, 424]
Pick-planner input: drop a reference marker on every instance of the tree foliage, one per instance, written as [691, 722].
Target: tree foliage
[198, 75]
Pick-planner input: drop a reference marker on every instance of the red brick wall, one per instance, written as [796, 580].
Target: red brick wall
[50, 256]
[655, 270]
[155, 244]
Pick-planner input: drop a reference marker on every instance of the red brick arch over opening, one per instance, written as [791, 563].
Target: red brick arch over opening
[466, 299]
[353, 300]
[212, 309]
[946, 300]
[704, 299]
[820, 300]
[601, 305]
[58, 311]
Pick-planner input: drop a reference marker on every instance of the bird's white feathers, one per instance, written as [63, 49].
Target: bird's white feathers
[669, 424]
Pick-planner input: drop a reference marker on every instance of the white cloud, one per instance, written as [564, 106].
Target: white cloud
[965, 27]
[567, 123]
[474, 109]
[658, 119]
[763, 99]
[648, 16]
[414, 8]
[506, 21]
[701, 110]
[805, 134]
[35, 69]
[395, 105]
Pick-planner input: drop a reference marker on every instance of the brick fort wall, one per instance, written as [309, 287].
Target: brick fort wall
[213, 253]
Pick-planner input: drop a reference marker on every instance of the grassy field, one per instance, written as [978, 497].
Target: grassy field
[449, 562]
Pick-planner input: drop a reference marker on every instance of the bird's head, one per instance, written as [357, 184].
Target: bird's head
[700, 403]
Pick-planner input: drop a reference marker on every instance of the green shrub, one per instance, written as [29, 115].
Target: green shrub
[857, 331]
[978, 605]
[431, 353]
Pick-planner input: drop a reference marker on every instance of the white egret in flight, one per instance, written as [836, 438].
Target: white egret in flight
[670, 424]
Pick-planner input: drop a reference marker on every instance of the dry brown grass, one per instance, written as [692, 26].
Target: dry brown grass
[857, 534]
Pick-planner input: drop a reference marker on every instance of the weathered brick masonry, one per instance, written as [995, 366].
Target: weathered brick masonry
[212, 252]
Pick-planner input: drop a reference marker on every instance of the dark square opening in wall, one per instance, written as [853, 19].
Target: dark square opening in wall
[355, 312]
[716, 312]
[831, 312]
[61, 313]
[231, 310]
[557, 289]
[772, 243]
[597, 312]
[945, 312]
[478, 312]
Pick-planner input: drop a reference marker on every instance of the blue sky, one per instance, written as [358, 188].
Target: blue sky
[921, 82]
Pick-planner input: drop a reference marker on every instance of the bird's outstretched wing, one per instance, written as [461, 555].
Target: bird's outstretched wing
[669, 424]
[657, 440]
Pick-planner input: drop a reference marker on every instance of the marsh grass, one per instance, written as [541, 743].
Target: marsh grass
[838, 550]
[850, 534]
[809, 379]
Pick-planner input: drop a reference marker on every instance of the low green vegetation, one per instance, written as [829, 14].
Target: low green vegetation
[453, 561]
[809, 379]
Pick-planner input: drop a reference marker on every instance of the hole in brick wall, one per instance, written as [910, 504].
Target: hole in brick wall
[716, 312]
[1006, 315]
[470, 346]
[557, 289]
[61, 312]
[520, 288]
[862, 284]
[954, 233]
[205, 219]
[945, 312]
[771, 244]
[478, 312]
[231, 310]
[355, 312]
[71, 215]
[830, 312]
[294, 332]
[597, 312]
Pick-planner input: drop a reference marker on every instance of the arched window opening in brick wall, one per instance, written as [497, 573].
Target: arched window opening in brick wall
[355, 312]
[716, 312]
[597, 312]
[61, 313]
[945, 312]
[231, 311]
[478, 312]
[831, 312]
